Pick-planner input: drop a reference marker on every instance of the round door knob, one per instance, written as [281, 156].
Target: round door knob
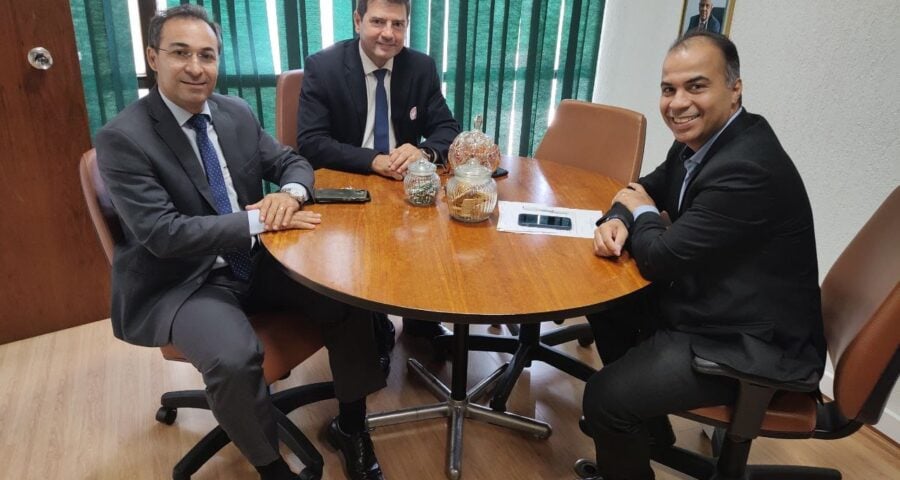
[40, 58]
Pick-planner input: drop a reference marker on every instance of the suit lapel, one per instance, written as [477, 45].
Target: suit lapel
[356, 85]
[226, 130]
[400, 91]
[739, 124]
[173, 136]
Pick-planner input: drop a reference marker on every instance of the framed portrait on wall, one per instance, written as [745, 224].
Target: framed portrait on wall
[712, 15]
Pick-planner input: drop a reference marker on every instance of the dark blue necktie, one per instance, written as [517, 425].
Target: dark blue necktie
[381, 114]
[239, 260]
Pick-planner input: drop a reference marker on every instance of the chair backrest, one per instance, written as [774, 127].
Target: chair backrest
[103, 214]
[861, 311]
[287, 101]
[601, 138]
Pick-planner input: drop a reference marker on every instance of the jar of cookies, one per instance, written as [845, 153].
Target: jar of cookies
[471, 192]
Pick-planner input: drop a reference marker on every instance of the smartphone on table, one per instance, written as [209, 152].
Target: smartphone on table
[545, 221]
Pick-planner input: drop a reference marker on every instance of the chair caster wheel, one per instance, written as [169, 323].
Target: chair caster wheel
[177, 475]
[166, 415]
[585, 468]
[311, 473]
[585, 342]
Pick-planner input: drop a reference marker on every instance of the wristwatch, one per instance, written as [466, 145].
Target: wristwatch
[430, 155]
[297, 193]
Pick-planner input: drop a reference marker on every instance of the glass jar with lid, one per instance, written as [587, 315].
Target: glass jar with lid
[421, 183]
[471, 192]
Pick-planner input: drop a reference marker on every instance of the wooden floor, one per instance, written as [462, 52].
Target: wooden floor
[78, 404]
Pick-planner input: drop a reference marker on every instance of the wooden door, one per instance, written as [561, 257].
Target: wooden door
[52, 272]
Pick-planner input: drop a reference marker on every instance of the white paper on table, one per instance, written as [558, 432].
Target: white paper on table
[583, 221]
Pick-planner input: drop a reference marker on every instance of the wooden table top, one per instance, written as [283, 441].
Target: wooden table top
[390, 256]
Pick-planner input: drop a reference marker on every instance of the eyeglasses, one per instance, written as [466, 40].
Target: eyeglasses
[184, 56]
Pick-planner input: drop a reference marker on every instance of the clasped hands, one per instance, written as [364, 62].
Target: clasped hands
[280, 211]
[394, 165]
[610, 236]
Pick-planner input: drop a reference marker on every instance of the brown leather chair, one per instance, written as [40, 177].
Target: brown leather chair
[287, 342]
[287, 101]
[602, 138]
[861, 313]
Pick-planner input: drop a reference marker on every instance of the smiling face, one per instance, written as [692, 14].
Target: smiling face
[705, 9]
[186, 63]
[696, 100]
[381, 30]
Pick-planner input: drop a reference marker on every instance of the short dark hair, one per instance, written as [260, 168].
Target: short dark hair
[726, 46]
[154, 30]
[363, 5]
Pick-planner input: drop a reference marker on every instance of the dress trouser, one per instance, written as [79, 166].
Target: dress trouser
[212, 331]
[646, 375]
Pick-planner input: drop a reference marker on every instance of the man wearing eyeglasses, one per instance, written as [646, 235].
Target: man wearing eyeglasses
[371, 105]
[184, 168]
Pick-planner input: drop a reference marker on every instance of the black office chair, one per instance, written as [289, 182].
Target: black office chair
[861, 312]
[286, 341]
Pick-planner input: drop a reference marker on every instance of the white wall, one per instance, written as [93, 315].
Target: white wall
[825, 74]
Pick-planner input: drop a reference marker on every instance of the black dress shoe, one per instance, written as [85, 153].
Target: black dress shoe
[384, 361]
[424, 329]
[359, 454]
[385, 332]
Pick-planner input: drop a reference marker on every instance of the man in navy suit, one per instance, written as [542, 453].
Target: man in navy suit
[184, 168]
[735, 272]
[705, 20]
[341, 126]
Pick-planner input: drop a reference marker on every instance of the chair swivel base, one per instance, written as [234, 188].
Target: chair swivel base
[457, 411]
[525, 348]
[285, 402]
[708, 468]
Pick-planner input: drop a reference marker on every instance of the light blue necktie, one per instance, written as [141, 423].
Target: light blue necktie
[381, 113]
[239, 260]
[689, 166]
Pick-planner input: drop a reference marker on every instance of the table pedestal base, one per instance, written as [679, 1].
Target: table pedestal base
[458, 404]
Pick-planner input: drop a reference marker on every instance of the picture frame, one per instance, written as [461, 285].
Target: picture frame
[719, 18]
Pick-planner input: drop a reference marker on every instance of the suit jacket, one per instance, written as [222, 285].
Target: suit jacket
[172, 234]
[737, 267]
[712, 25]
[333, 105]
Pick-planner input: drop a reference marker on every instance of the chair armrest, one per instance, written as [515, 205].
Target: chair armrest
[754, 395]
[708, 367]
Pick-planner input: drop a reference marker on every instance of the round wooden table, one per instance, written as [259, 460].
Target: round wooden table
[390, 256]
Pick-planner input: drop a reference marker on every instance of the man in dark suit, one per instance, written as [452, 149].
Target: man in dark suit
[367, 103]
[705, 20]
[735, 273]
[184, 168]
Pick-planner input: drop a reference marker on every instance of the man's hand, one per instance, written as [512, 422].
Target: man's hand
[382, 166]
[609, 238]
[276, 210]
[402, 156]
[633, 196]
[304, 220]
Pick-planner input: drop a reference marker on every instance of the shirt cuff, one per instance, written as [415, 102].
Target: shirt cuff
[297, 187]
[644, 209]
[253, 220]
